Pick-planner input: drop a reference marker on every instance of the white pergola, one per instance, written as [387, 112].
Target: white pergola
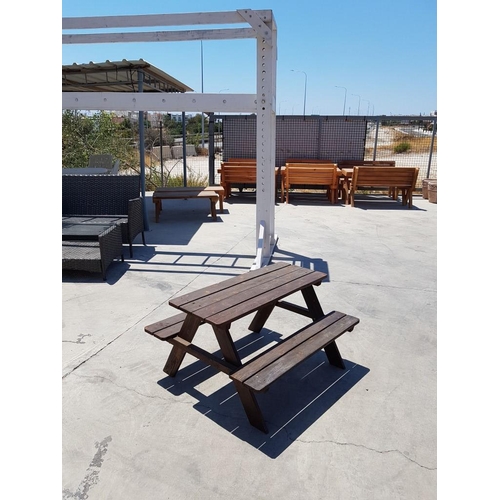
[261, 26]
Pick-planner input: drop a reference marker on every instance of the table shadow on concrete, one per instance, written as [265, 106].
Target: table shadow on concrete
[295, 402]
[316, 264]
[373, 202]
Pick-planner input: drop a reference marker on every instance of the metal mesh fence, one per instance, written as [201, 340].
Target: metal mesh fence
[409, 141]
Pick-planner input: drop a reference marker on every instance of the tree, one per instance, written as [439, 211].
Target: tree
[172, 127]
[99, 133]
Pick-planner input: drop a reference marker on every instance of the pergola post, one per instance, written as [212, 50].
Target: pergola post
[266, 151]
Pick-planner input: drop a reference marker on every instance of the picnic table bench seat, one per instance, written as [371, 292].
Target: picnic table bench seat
[259, 373]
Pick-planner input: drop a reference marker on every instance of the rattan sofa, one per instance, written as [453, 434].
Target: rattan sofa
[106, 198]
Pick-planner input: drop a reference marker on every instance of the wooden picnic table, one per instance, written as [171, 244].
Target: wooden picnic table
[258, 291]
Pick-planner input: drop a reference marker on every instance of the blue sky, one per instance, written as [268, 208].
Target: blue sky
[383, 52]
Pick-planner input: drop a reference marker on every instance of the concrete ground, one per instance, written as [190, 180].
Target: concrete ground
[367, 432]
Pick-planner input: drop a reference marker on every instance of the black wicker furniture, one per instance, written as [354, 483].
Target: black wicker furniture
[106, 199]
[90, 247]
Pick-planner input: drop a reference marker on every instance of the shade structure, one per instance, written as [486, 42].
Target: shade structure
[262, 28]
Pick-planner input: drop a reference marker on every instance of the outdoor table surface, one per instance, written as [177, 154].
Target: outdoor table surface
[81, 231]
[221, 304]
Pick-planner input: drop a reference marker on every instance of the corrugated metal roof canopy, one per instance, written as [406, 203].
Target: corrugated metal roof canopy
[118, 76]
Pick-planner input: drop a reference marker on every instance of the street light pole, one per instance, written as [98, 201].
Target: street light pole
[305, 87]
[345, 96]
[368, 112]
[359, 100]
[202, 116]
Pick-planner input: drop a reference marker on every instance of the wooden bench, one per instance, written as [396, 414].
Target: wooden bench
[236, 172]
[310, 174]
[259, 373]
[391, 179]
[359, 163]
[212, 193]
[241, 173]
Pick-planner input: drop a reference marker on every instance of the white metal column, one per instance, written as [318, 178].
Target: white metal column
[266, 150]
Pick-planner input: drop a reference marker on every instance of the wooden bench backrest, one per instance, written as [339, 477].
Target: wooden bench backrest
[306, 160]
[319, 174]
[384, 176]
[368, 163]
[238, 173]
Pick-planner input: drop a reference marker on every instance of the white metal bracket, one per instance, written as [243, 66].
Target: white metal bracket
[257, 23]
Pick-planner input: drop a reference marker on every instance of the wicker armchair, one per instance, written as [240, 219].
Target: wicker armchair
[106, 198]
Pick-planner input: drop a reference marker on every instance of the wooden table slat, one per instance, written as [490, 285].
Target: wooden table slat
[241, 291]
[178, 302]
[250, 304]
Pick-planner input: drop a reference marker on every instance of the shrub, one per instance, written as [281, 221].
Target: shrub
[153, 180]
[402, 147]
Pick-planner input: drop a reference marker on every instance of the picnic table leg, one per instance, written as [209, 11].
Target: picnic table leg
[260, 318]
[213, 204]
[333, 355]
[188, 330]
[312, 303]
[226, 345]
[251, 407]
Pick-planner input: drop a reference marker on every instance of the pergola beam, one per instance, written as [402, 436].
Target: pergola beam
[161, 36]
[148, 20]
[160, 101]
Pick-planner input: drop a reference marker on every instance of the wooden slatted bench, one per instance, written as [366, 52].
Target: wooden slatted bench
[236, 172]
[390, 179]
[259, 373]
[243, 173]
[213, 193]
[311, 174]
[361, 163]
